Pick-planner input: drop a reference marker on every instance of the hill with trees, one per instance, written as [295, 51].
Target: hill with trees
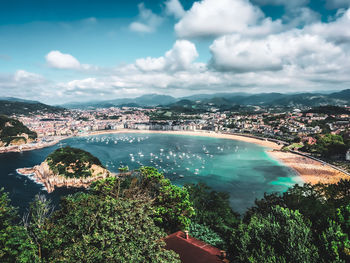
[24, 107]
[14, 132]
[73, 163]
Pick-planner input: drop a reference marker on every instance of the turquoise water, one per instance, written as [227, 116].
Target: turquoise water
[242, 169]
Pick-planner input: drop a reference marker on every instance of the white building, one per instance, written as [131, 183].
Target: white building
[347, 156]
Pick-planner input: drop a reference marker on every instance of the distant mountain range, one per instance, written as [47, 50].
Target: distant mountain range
[225, 100]
[149, 100]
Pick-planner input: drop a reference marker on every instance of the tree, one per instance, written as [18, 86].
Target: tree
[89, 228]
[206, 234]
[281, 236]
[328, 145]
[335, 245]
[343, 218]
[213, 213]
[172, 206]
[15, 244]
[35, 222]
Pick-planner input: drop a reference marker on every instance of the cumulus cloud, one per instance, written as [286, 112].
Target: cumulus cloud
[299, 17]
[273, 53]
[209, 18]
[59, 60]
[147, 21]
[22, 76]
[337, 30]
[56, 59]
[22, 84]
[180, 57]
[174, 7]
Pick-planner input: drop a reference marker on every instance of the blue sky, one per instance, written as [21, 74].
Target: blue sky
[59, 51]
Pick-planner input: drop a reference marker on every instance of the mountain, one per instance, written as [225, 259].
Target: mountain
[18, 100]
[149, 100]
[15, 106]
[225, 99]
[13, 132]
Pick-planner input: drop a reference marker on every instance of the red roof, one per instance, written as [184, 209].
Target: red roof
[192, 250]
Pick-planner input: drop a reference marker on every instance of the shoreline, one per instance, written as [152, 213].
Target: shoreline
[309, 170]
[31, 146]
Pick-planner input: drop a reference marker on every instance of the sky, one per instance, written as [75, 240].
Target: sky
[59, 51]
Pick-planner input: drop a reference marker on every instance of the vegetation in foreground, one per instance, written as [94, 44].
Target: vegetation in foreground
[12, 131]
[124, 219]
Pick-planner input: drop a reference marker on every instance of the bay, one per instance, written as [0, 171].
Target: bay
[243, 170]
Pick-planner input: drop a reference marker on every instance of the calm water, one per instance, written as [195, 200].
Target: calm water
[242, 169]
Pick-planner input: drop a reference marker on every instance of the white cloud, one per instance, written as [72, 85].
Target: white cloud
[22, 76]
[180, 57]
[23, 84]
[174, 7]
[147, 21]
[337, 30]
[293, 48]
[209, 18]
[59, 60]
[299, 17]
[56, 59]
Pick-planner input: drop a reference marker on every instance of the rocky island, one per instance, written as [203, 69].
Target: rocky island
[67, 167]
[14, 132]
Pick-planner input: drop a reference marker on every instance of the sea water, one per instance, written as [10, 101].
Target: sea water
[243, 170]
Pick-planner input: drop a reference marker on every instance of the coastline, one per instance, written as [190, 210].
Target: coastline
[42, 174]
[32, 146]
[309, 170]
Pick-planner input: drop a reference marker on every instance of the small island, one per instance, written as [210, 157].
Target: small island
[14, 132]
[67, 167]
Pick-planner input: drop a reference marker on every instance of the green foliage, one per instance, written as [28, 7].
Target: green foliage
[35, 223]
[335, 245]
[327, 145]
[11, 129]
[213, 210]
[281, 236]
[91, 228]
[172, 206]
[25, 108]
[123, 169]
[15, 244]
[205, 234]
[72, 162]
[329, 109]
[343, 218]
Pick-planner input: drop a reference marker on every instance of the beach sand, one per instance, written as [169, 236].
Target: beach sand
[309, 170]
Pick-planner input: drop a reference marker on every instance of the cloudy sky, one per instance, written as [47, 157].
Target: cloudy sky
[58, 51]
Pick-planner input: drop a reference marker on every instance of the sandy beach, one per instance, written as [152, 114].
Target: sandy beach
[310, 171]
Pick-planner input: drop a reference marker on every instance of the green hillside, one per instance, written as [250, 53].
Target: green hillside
[73, 163]
[14, 132]
[9, 108]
